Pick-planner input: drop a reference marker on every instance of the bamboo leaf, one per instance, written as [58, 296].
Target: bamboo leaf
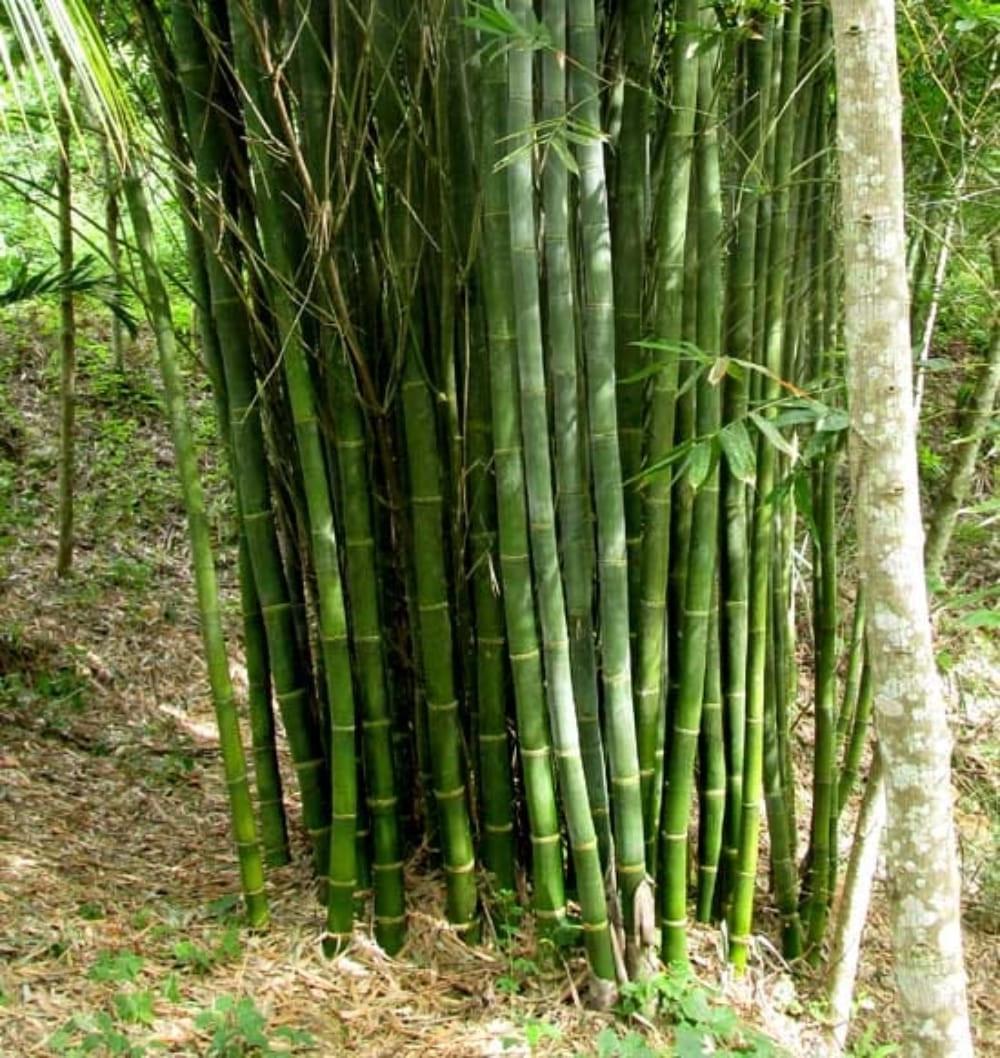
[564, 154]
[833, 420]
[739, 452]
[767, 373]
[719, 370]
[699, 462]
[773, 434]
[675, 454]
[799, 412]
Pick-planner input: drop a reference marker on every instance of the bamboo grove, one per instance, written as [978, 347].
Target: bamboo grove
[522, 325]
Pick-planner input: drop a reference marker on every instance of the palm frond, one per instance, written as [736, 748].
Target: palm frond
[82, 279]
[44, 29]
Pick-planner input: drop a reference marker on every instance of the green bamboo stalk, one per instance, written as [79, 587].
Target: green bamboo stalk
[670, 223]
[234, 764]
[775, 780]
[703, 545]
[436, 647]
[496, 788]
[609, 503]
[436, 641]
[314, 66]
[572, 500]
[822, 856]
[541, 509]
[740, 328]
[629, 230]
[682, 497]
[112, 229]
[333, 636]
[784, 632]
[67, 326]
[267, 776]
[741, 910]
[366, 635]
[712, 766]
[451, 195]
[855, 665]
[512, 516]
[859, 736]
[229, 311]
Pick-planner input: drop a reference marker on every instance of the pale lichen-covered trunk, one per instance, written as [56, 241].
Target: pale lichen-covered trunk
[909, 709]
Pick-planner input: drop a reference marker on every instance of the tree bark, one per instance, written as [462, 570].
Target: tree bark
[909, 709]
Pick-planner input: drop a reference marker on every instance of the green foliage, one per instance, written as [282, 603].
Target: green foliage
[202, 960]
[116, 966]
[519, 971]
[630, 1045]
[502, 29]
[96, 1035]
[82, 279]
[134, 1007]
[171, 988]
[701, 1025]
[238, 1029]
[533, 1032]
[867, 1047]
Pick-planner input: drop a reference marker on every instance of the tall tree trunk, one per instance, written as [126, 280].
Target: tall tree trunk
[67, 332]
[909, 711]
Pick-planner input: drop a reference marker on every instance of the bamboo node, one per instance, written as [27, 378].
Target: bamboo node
[443, 707]
[462, 868]
[594, 927]
[551, 913]
[545, 839]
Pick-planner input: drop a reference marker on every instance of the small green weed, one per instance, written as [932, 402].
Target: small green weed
[199, 959]
[866, 1046]
[129, 574]
[239, 1030]
[135, 1008]
[519, 970]
[171, 988]
[83, 1036]
[58, 690]
[631, 1045]
[701, 1026]
[120, 967]
[533, 1032]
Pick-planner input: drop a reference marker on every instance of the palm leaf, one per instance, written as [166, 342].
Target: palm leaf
[43, 29]
[82, 279]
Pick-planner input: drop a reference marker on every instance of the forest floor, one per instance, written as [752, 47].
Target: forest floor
[118, 915]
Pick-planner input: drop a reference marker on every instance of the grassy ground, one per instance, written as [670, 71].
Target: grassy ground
[117, 927]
